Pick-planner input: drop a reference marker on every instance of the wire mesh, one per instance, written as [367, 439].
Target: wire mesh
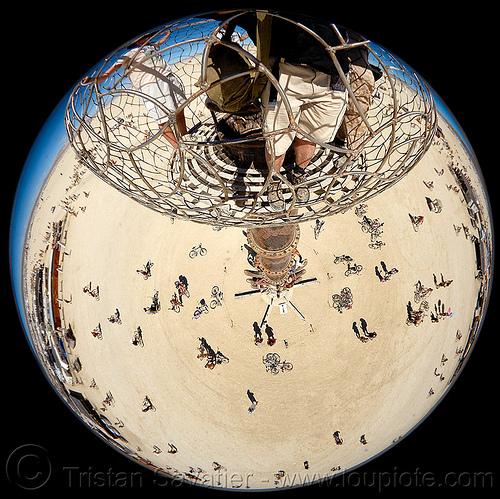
[218, 176]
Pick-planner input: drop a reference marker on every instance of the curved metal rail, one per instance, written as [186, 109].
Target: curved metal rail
[109, 128]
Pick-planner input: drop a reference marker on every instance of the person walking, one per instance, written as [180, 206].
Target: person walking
[271, 340]
[253, 400]
[257, 334]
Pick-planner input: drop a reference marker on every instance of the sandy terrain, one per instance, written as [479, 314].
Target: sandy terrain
[371, 392]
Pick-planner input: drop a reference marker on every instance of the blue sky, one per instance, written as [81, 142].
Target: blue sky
[50, 140]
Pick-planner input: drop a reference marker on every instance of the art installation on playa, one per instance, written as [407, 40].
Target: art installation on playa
[256, 256]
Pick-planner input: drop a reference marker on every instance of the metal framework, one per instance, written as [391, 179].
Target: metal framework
[204, 180]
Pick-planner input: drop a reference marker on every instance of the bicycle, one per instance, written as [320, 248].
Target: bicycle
[370, 226]
[97, 332]
[353, 269]
[155, 305]
[376, 245]
[271, 361]
[137, 340]
[109, 400]
[416, 317]
[361, 210]
[197, 250]
[435, 205]
[176, 304]
[342, 300]
[182, 289]
[201, 308]
[94, 293]
[342, 259]
[420, 292]
[213, 358]
[147, 405]
[220, 358]
[216, 298]
[274, 365]
[375, 234]
[416, 221]
[271, 358]
[115, 318]
[146, 272]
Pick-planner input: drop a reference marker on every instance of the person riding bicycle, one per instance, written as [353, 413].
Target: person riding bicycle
[181, 289]
[175, 301]
[206, 351]
[372, 223]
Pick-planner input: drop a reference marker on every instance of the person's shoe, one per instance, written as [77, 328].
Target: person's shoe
[297, 177]
[275, 196]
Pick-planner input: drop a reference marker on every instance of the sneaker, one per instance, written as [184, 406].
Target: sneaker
[302, 193]
[275, 196]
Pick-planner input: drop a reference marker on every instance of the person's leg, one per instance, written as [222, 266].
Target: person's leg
[304, 151]
[276, 116]
[181, 123]
[278, 161]
[274, 190]
[168, 133]
[362, 84]
[322, 118]
[294, 81]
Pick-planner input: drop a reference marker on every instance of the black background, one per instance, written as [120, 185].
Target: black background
[46, 50]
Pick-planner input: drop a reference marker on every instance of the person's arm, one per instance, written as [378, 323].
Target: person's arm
[164, 37]
[103, 76]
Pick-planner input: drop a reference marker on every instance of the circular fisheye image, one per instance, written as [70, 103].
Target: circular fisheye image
[254, 251]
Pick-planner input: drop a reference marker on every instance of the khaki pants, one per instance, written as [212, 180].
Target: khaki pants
[316, 107]
[353, 129]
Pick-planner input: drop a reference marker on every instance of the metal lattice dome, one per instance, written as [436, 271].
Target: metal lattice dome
[217, 174]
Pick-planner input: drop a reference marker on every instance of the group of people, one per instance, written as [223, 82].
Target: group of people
[440, 312]
[387, 273]
[271, 340]
[259, 280]
[314, 85]
[370, 226]
[421, 294]
[367, 335]
[415, 317]
[443, 283]
[207, 352]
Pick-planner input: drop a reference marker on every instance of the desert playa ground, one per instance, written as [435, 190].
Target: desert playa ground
[349, 395]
